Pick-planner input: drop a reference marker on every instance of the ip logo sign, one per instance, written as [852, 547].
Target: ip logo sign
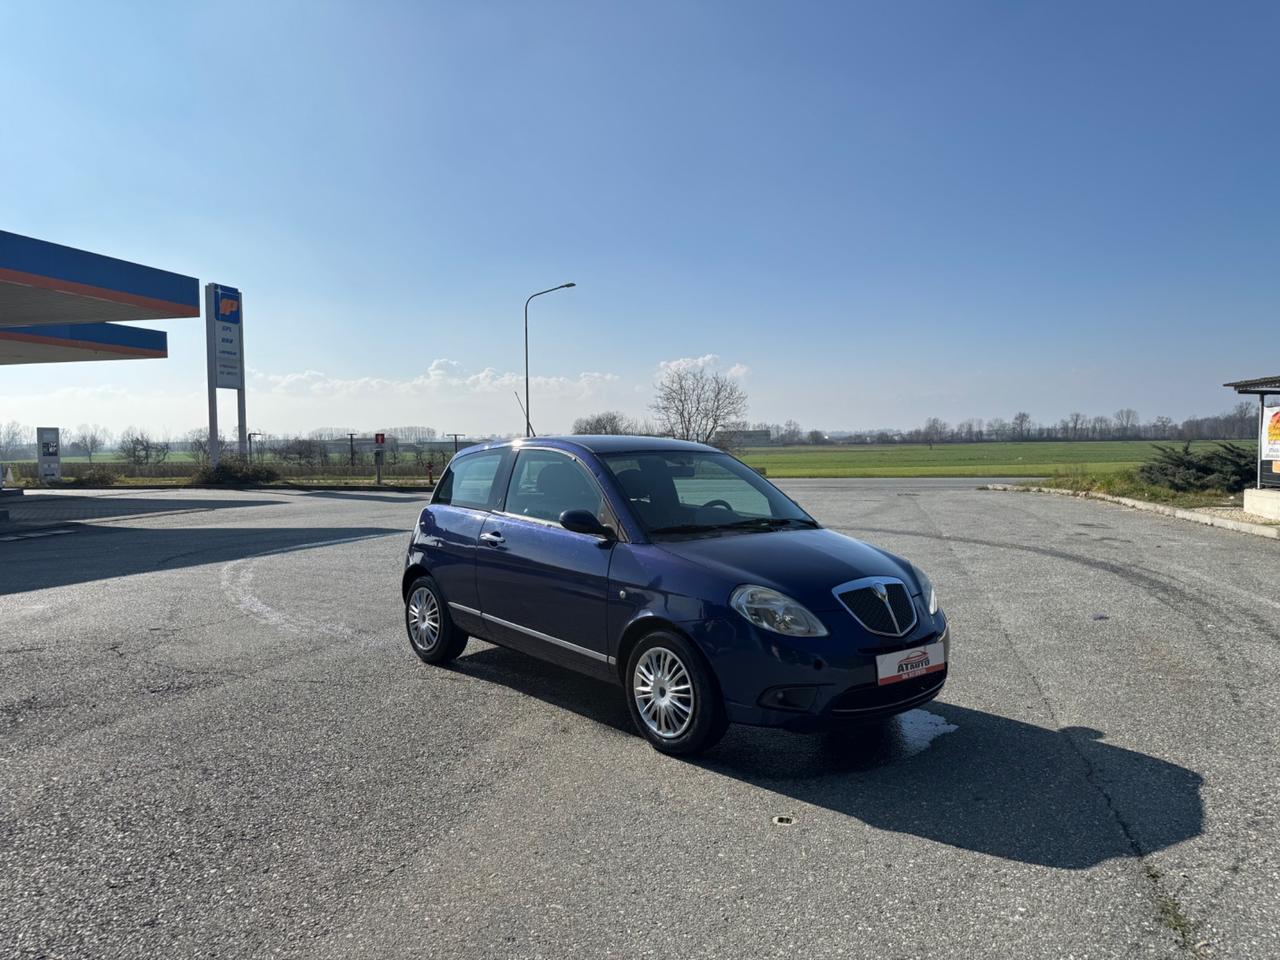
[226, 304]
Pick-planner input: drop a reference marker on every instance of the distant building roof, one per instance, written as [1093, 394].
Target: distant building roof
[744, 435]
[1260, 385]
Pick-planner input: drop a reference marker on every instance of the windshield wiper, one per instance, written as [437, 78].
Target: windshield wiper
[688, 528]
[768, 523]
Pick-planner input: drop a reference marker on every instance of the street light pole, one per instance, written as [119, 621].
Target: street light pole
[528, 423]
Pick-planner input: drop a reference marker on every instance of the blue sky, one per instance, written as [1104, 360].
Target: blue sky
[872, 213]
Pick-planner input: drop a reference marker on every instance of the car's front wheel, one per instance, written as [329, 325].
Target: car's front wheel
[432, 633]
[673, 698]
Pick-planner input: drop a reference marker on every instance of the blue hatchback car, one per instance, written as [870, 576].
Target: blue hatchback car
[680, 574]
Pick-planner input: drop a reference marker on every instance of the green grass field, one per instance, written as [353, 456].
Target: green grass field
[1031, 459]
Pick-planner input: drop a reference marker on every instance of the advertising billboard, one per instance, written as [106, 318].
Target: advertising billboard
[1269, 442]
[226, 323]
[49, 453]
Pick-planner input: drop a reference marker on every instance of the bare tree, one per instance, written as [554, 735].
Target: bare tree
[1021, 424]
[412, 434]
[135, 446]
[92, 438]
[610, 422]
[198, 444]
[791, 432]
[935, 431]
[308, 452]
[694, 403]
[15, 438]
[1126, 422]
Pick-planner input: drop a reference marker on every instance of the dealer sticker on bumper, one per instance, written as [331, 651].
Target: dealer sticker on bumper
[914, 662]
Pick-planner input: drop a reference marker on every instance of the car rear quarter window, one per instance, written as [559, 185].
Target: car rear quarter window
[469, 481]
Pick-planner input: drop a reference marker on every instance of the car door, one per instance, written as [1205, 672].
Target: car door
[470, 487]
[542, 588]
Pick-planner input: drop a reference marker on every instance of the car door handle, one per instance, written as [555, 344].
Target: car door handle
[492, 537]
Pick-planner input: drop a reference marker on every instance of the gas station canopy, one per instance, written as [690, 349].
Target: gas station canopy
[57, 303]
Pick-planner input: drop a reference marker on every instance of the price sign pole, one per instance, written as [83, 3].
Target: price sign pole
[224, 335]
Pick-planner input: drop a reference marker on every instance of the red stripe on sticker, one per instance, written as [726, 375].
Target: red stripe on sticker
[910, 673]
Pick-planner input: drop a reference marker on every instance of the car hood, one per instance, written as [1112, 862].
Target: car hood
[803, 564]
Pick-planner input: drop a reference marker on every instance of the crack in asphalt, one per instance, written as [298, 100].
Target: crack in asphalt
[1168, 908]
[1162, 588]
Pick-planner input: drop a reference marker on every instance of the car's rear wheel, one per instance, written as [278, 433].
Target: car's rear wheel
[673, 698]
[432, 633]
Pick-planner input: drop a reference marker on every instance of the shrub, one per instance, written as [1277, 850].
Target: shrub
[95, 476]
[1227, 467]
[233, 472]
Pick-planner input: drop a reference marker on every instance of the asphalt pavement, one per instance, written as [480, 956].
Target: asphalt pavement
[215, 742]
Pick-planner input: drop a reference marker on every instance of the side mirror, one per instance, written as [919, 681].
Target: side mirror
[584, 521]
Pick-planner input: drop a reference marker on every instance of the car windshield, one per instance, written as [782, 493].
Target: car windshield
[677, 493]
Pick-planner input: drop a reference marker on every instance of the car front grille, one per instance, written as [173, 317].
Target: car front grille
[883, 606]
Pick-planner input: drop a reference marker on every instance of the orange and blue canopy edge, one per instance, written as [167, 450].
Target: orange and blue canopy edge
[67, 342]
[47, 283]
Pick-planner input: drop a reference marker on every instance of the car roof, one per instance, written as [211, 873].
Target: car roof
[600, 444]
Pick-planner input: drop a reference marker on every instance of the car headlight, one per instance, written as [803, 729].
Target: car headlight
[775, 611]
[926, 590]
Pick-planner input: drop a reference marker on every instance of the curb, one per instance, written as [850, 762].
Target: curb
[366, 487]
[1239, 526]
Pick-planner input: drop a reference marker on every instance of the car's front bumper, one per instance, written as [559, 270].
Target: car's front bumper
[815, 682]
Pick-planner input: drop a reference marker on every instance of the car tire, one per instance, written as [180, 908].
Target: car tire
[673, 696]
[432, 633]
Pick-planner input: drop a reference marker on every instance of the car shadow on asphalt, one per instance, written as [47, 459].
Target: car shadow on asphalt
[50, 509]
[91, 553]
[976, 780]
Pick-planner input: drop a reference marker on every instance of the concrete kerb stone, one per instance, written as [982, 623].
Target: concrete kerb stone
[1239, 526]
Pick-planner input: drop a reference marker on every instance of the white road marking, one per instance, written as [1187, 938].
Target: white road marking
[237, 585]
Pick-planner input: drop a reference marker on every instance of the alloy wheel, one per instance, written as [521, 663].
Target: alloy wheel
[663, 693]
[424, 619]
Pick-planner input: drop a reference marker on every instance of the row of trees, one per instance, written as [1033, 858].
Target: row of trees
[1238, 423]
[318, 448]
[18, 441]
[690, 403]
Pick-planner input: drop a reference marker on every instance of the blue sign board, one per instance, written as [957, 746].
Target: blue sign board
[228, 355]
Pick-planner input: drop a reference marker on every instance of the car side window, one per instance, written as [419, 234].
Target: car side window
[468, 482]
[544, 484]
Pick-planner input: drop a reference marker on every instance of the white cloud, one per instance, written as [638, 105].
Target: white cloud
[442, 375]
[687, 363]
[704, 362]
